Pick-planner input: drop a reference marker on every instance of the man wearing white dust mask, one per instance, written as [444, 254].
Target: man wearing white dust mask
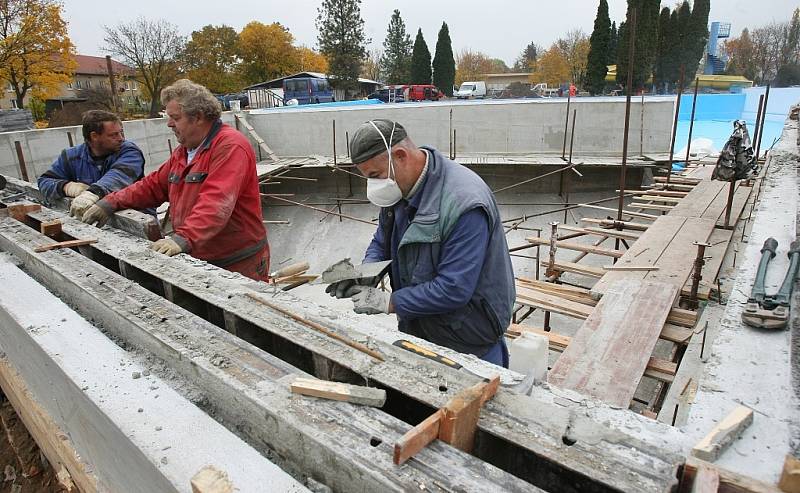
[451, 274]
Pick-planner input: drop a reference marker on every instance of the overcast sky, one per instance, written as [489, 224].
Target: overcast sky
[498, 28]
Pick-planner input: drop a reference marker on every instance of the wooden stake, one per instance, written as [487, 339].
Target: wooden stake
[63, 244]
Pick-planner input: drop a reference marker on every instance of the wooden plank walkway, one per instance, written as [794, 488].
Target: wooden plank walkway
[669, 245]
[609, 354]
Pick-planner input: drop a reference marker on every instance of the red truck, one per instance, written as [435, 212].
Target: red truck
[421, 92]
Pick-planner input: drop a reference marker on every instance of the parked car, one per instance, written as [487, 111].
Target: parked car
[308, 90]
[469, 90]
[225, 100]
[390, 94]
[421, 92]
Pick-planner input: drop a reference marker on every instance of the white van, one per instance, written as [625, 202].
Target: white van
[469, 90]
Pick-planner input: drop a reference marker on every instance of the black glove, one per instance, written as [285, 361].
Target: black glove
[348, 287]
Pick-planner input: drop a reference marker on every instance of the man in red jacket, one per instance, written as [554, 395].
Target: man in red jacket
[211, 184]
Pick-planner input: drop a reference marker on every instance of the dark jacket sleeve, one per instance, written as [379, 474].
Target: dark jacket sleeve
[52, 181]
[127, 167]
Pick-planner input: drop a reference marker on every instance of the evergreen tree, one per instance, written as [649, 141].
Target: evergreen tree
[646, 42]
[396, 59]
[662, 69]
[527, 59]
[420, 61]
[341, 39]
[444, 65]
[596, 68]
[612, 45]
[682, 40]
[697, 35]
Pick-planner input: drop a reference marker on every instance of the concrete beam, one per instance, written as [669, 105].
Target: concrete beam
[344, 446]
[135, 433]
[539, 440]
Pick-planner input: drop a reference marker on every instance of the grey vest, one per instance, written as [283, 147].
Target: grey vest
[450, 191]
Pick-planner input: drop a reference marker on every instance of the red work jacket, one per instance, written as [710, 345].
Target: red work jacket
[215, 206]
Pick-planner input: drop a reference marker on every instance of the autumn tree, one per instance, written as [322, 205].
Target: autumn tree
[444, 64]
[420, 61]
[472, 65]
[341, 39]
[152, 47]
[527, 59]
[309, 60]
[574, 47]
[36, 55]
[596, 68]
[211, 58]
[266, 52]
[551, 67]
[396, 61]
[371, 66]
[741, 60]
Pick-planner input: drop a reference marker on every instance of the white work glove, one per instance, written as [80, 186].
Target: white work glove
[75, 188]
[82, 202]
[371, 301]
[167, 246]
[95, 214]
[349, 287]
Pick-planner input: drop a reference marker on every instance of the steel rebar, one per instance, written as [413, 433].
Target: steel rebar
[675, 124]
[629, 89]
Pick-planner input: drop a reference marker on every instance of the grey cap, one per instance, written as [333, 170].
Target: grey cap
[367, 143]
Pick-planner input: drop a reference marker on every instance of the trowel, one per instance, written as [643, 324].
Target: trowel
[344, 270]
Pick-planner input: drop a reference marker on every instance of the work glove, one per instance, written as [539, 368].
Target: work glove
[167, 246]
[95, 214]
[348, 287]
[75, 188]
[82, 202]
[371, 301]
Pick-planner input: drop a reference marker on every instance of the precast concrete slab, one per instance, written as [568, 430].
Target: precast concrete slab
[134, 432]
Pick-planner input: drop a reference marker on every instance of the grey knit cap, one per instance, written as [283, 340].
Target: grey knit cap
[367, 143]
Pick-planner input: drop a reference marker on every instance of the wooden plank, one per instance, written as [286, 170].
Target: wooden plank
[659, 198]
[577, 247]
[612, 233]
[630, 268]
[654, 207]
[723, 434]
[609, 353]
[661, 193]
[608, 223]
[576, 268]
[624, 212]
[209, 479]
[698, 201]
[460, 419]
[706, 480]
[740, 198]
[658, 369]
[729, 481]
[417, 438]
[50, 438]
[790, 475]
[263, 145]
[64, 244]
[356, 394]
[719, 240]
[677, 180]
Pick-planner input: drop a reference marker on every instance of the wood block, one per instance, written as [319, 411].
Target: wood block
[729, 481]
[417, 438]
[790, 476]
[460, 419]
[19, 211]
[610, 352]
[51, 228]
[209, 479]
[706, 480]
[722, 435]
[356, 394]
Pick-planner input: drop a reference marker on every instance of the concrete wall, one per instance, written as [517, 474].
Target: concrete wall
[496, 126]
[492, 126]
[42, 147]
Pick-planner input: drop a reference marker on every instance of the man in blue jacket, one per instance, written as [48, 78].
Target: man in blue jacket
[104, 163]
[451, 274]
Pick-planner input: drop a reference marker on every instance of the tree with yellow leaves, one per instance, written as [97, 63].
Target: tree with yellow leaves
[309, 60]
[472, 65]
[551, 67]
[266, 52]
[36, 55]
[211, 59]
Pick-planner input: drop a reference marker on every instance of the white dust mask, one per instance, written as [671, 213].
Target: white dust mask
[384, 192]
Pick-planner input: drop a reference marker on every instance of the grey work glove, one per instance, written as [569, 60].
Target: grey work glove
[96, 214]
[82, 202]
[371, 301]
[348, 287]
[75, 188]
[167, 246]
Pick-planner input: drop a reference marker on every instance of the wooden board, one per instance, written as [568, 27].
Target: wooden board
[667, 244]
[578, 247]
[337, 391]
[576, 268]
[697, 203]
[729, 481]
[723, 434]
[608, 355]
